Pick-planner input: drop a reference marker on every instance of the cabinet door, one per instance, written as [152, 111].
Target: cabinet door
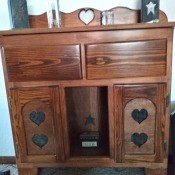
[139, 123]
[37, 123]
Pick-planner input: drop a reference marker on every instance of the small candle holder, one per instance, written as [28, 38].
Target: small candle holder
[107, 17]
[53, 14]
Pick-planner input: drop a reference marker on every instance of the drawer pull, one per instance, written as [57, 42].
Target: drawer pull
[58, 61]
[100, 61]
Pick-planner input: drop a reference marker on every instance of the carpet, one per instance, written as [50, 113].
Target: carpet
[92, 171]
[79, 171]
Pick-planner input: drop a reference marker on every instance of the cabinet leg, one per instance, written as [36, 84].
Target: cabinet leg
[156, 171]
[28, 171]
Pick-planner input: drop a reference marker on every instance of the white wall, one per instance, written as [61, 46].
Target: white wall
[6, 145]
[6, 141]
[5, 22]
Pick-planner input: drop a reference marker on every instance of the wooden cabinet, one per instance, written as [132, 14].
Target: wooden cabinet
[95, 96]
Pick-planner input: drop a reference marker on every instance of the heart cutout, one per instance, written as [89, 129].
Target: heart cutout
[139, 116]
[139, 139]
[37, 117]
[86, 16]
[40, 140]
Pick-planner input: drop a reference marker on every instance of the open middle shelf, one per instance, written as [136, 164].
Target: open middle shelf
[87, 113]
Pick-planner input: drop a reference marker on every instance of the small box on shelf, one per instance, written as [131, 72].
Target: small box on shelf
[90, 139]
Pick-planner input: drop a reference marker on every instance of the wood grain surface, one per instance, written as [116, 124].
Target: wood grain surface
[28, 171]
[82, 103]
[147, 126]
[122, 15]
[130, 59]
[37, 100]
[155, 93]
[43, 63]
[156, 172]
[140, 97]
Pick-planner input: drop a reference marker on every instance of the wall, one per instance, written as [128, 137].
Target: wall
[5, 22]
[6, 142]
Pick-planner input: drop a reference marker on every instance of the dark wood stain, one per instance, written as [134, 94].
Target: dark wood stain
[43, 63]
[131, 59]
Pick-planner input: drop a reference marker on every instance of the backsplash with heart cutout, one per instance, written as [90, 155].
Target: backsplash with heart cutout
[86, 15]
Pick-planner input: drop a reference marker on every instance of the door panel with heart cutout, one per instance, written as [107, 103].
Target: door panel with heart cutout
[142, 114]
[38, 118]
[136, 123]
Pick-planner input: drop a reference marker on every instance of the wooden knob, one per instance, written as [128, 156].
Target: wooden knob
[100, 61]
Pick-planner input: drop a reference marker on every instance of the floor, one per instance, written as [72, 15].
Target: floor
[12, 168]
[78, 171]
[85, 171]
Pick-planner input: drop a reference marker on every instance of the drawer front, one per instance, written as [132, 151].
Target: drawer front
[42, 63]
[127, 59]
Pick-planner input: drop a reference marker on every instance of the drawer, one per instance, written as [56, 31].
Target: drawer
[127, 59]
[42, 63]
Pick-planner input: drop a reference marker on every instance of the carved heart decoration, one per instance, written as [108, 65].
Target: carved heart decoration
[86, 15]
[37, 117]
[40, 140]
[139, 139]
[139, 116]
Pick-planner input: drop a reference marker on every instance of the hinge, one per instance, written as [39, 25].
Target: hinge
[164, 146]
[10, 102]
[16, 149]
[167, 100]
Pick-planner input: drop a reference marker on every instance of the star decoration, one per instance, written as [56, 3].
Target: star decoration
[89, 120]
[150, 8]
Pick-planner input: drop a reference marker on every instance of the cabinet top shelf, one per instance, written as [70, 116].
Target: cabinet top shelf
[88, 28]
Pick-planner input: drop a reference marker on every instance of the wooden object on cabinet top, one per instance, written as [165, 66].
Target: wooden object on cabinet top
[122, 15]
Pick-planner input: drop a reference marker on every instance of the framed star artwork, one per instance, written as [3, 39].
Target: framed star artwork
[19, 14]
[150, 11]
